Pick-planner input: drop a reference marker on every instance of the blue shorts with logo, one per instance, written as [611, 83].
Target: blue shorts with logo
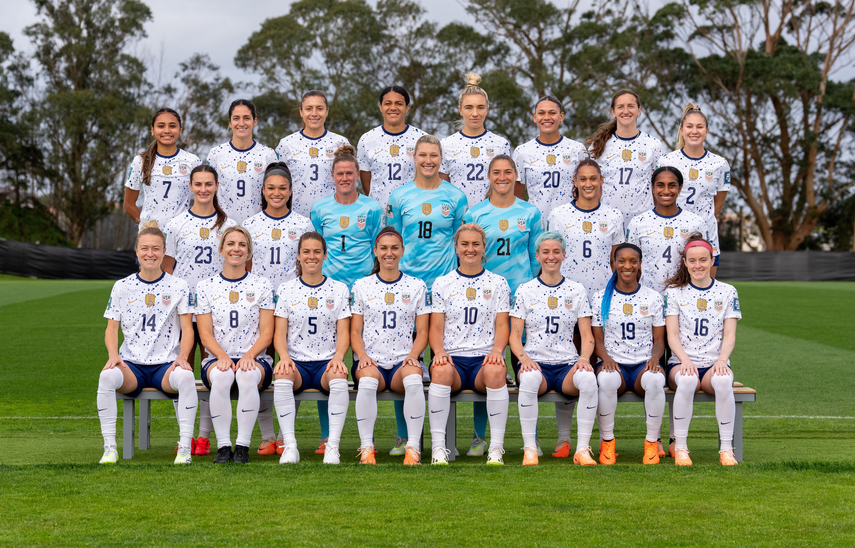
[386, 373]
[149, 376]
[267, 372]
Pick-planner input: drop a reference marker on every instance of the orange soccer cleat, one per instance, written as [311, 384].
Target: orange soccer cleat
[366, 455]
[322, 447]
[607, 452]
[412, 457]
[530, 456]
[562, 449]
[660, 450]
[727, 458]
[267, 447]
[651, 452]
[583, 457]
[681, 458]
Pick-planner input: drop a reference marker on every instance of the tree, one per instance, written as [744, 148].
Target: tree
[91, 104]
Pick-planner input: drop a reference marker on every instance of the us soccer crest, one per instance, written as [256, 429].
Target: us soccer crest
[204, 233]
[313, 152]
[166, 298]
[684, 232]
[234, 296]
[702, 304]
[503, 224]
[344, 222]
[149, 299]
[474, 152]
[568, 303]
[394, 150]
[626, 155]
[446, 209]
[183, 168]
[490, 152]
[292, 233]
[313, 303]
[719, 304]
[604, 226]
[389, 298]
[552, 303]
[550, 159]
[471, 293]
[241, 166]
[167, 170]
[627, 309]
[708, 175]
[488, 292]
[693, 174]
[427, 208]
[669, 232]
[330, 302]
[250, 296]
[411, 150]
[566, 159]
[257, 167]
[276, 233]
[406, 298]
[644, 309]
[360, 221]
[587, 227]
[330, 152]
[521, 224]
[642, 155]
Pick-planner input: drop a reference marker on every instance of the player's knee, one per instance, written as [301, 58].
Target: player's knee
[652, 381]
[530, 381]
[110, 379]
[609, 380]
[722, 383]
[182, 378]
[686, 383]
[585, 381]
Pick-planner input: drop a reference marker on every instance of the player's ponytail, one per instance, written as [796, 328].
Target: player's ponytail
[585, 162]
[221, 215]
[596, 143]
[690, 108]
[682, 278]
[311, 235]
[149, 155]
[606, 305]
[386, 231]
[345, 153]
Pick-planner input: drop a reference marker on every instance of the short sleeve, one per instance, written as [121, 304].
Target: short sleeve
[460, 210]
[597, 307]
[362, 155]
[203, 302]
[344, 298]
[659, 152]
[585, 306]
[265, 300]
[422, 301]
[504, 296]
[171, 245]
[670, 306]
[658, 312]
[195, 161]
[378, 220]
[134, 180]
[114, 305]
[723, 178]
[519, 310]
[507, 148]
[438, 299]
[357, 306]
[733, 310]
[520, 164]
[185, 301]
[282, 309]
[632, 233]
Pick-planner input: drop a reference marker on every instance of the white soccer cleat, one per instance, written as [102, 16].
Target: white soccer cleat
[478, 447]
[111, 455]
[440, 456]
[291, 455]
[494, 456]
[537, 446]
[400, 447]
[331, 455]
[184, 455]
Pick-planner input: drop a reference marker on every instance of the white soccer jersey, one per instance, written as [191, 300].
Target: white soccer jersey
[661, 240]
[628, 333]
[169, 192]
[389, 310]
[547, 172]
[310, 162]
[470, 305]
[274, 245]
[241, 176]
[312, 312]
[627, 165]
[702, 313]
[235, 307]
[389, 159]
[703, 178]
[551, 313]
[465, 160]
[194, 244]
[589, 236]
[148, 313]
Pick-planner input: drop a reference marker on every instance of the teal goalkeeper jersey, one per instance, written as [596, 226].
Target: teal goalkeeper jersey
[511, 236]
[427, 219]
[350, 231]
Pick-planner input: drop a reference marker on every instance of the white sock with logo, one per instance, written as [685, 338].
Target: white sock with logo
[414, 409]
[654, 402]
[497, 412]
[725, 408]
[339, 401]
[564, 419]
[586, 382]
[684, 399]
[205, 424]
[286, 411]
[184, 382]
[248, 404]
[609, 383]
[221, 404]
[439, 405]
[366, 410]
[265, 420]
[530, 382]
[109, 381]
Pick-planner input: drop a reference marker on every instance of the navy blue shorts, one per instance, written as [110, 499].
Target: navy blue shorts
[630, 373]
[386, 373]
[702, 371]
[554, 373]
[468, 368]
[267, 372]
[715, 262]
[311, 372]
[149, 376]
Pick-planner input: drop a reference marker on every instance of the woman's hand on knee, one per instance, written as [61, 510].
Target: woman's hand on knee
[115, 362]
[285, 366]
[365, 361]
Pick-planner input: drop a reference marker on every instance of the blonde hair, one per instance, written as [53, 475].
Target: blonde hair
[472, 81]
[472, 227]
[690, 108]
[246, 235]
[345, 153]
[428, 140]
[150, 229]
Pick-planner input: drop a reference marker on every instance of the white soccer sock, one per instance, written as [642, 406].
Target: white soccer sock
[283, 398]
[497, 412]
[248, 404]
[564, 419]
[265, 420]
[684, 399]
[527, 404]
[205, 424]
[654, 402]
[586, 382]
[725, 408]
[221, 404]
[339, 401]
[414, 409]
[109, 381]
[183, 382]
[439, 404]
[609, 383]
[366, 410]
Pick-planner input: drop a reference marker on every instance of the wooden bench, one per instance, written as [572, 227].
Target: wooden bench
[741, 394]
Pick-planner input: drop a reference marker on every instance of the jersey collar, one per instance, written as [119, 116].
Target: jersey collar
[235, 279]
[269, 216]
[483, 270]
[679, 210]
[214, 214]
[162, 274]
[586, 210]
[547, 285]
[310, 285]
[627, 138]
[637, 289]
[313, 138]
[701, 157]
[475, 137]
[383, 127]
[703, 288]
[177, 150]
[555, 144]
[236, 149]
[398, 279]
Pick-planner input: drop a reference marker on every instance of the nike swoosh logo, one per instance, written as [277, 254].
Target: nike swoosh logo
[132, 302]
[295, 304]
[257, 235]
[215, 298]
[728, 422]
[534, 303]
[334, 414]
[377, 152]
[679, 418]
[215, 417]
[432, 411]
[649, 233]
[569, 403]
[360, 420]
[102, 409]
[456, 153]
[606, 415]
[593, 407]
[453, 295]
[285, 415]
[569, 226]
[494, 414]
[185, 234]
[417, 418]
[194, 407]
[296, 153]
[652, 416]
[524, 405]
[372, 299]
[610, 157]
[225, 167]
[684, 304]
[246, 410]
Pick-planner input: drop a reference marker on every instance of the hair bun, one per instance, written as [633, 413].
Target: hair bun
[345, 149]
[149, 224]
[690, 107]
[472, 79]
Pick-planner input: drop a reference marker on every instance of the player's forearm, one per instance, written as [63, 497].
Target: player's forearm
[515, 341]
[420, 343]
[187, 339]
[728, 340]
[111, 341]
[658, 350]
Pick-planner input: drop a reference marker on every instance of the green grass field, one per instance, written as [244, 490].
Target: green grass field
[796, 486]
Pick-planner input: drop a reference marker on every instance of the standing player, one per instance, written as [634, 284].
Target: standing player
[468, 335]
[312, 337]
[309, 153]
[546, 164]
[661, 232]
[549, 309]
[235, 317]
[700, 316]
[163, 170]
[707, 175]
[387, 307]
[386, 152]
[240, 163]
[467, 152]
[154, 311]
[275, 232]
[629, 330]
[627, 156]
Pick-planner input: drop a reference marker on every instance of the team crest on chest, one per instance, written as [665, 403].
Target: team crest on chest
[313, 152]
[166, 298]
[241, 166]
[550, 159]
[566, 159]
[488, 292]
[471, 293]
[568, 303]
[552, 303]
[644, 309]
[626, 155]
[250, 296]
[708, 175]
[167, 170]
[330, 302]
[234, 296]
[521, 224]
[406, 298]
[411, 150]
[474, 152]
[183, 168]
[313, 303]
[684, 232]
[360, 221]
[276, 233]
[587, 227]
[389, 298]
[149, 299]
[330, 152]
[490, 152]
[642, 155]
[719, 304]
[204, 233]
[627, 309]
[257, 167]
[669, 232]
[446, 210]
[426, 208]
[503, 224]
[702, 304]
[604, 226]
[394, 150]
[693, 174]
[292, 233]
[344, 222]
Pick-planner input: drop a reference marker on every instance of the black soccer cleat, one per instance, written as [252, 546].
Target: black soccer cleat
[224, 455]
[241, 454]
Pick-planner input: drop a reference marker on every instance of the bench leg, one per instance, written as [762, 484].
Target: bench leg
[737, 432]
[128, 421]
[451, 430]
[145, 424]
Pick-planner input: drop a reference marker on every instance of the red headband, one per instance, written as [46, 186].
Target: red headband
[390, 233]
[700, 243]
